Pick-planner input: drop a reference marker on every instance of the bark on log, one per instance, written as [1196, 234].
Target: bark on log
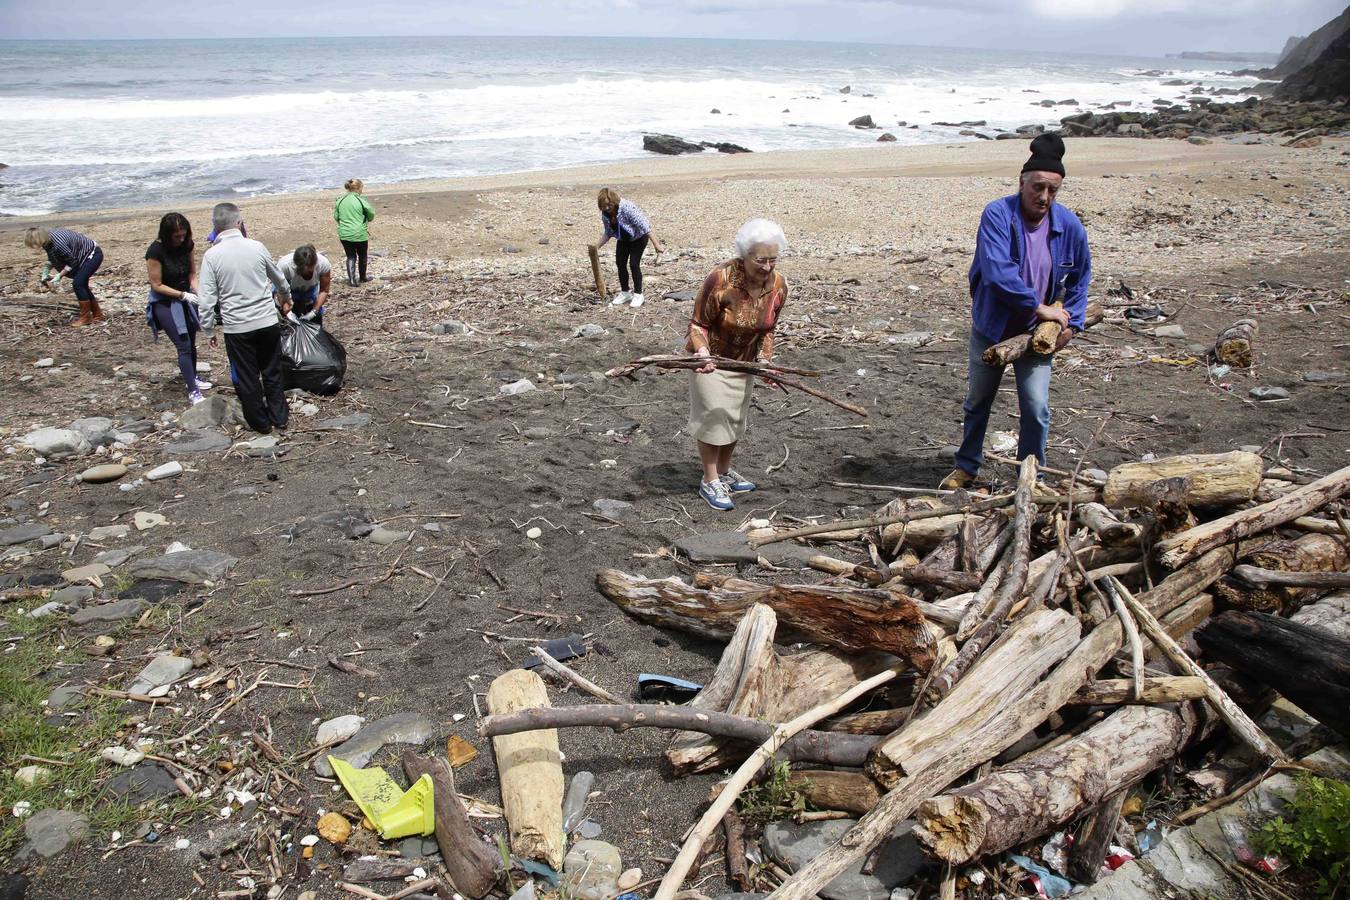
[962, 749]
[1311, 553]
[1234, 344]
[530, 767]
[1178, 549]
[1331, 613]
[1154, 690]
[851, 792]
[1049, 787]
[1046, 334]
[1306, 664]
[850, 619]
[1095, 838]
[1274, 578]
[1032, 646]
[874, 721]
[821, 747]
[468, 861]
[1109, 529]
[1216, 479]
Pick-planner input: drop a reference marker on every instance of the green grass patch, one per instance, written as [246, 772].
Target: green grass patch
[26, 732]
[1314, 832]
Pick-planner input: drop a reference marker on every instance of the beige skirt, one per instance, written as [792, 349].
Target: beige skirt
[719, 406]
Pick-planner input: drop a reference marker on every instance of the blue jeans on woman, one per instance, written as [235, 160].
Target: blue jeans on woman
[1032, 372]
[184, 339]
[80, 276]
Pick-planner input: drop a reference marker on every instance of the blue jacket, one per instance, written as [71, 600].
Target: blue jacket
[996, 286]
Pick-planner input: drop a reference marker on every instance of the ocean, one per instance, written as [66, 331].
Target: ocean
[98, 124]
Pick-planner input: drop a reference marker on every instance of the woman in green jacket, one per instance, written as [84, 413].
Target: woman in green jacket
[352, 212]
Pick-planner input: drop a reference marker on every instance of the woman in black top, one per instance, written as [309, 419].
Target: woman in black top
[172, 306]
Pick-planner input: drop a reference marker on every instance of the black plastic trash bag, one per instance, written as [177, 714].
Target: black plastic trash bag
[311, 358]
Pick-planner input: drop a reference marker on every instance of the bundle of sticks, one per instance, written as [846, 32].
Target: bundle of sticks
[1053, 622]
[772, 372]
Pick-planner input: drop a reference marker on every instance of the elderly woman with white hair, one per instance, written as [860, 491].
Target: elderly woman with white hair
[734, 316]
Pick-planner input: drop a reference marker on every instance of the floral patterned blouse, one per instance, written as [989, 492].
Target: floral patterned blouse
[729, 321]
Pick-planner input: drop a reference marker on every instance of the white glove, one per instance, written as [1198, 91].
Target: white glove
[189, 297]
[309, 316]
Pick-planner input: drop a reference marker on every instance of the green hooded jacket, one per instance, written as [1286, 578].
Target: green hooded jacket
[352, 212]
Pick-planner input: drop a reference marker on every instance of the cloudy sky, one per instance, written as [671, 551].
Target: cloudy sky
[1137, 27]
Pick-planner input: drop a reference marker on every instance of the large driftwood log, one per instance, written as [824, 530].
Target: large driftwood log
[1275, 578]
[848, 618]
[1046, 334]
[596, 272]
[753, 681]
[530, 768]
[1311, 553]
[821, 747]
[852, 792]
[471, 865]
[1178, 549]
[1216, 479]
[961, 749]
[1031, 646]
[1234, 344]
[1331, 613]
[1309, 665]
[1049, 787]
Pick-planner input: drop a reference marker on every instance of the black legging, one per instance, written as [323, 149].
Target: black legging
[628, 255]
[356, 250]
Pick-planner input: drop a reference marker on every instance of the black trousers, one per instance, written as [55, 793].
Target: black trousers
[356, 250]
[255, 369]
[628, 255]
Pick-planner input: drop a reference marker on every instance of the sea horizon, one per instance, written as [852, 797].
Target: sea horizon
[93, 125]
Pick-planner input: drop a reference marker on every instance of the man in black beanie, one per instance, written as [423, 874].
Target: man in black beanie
[1030, 252]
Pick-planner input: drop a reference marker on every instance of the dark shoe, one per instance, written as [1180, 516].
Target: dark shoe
[958, 479]
[365, 278]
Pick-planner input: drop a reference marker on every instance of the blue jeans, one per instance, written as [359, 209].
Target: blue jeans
[303, 300]
[81, 274]
[1033, 404]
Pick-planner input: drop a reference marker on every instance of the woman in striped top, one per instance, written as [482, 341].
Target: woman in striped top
[74, 254]
[629, 227]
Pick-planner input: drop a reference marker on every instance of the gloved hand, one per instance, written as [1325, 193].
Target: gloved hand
[309, 316]
[189, 297]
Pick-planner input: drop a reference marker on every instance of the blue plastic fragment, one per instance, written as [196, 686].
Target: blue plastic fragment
[548, 873]
[1052, 884]
[628, 896]
[561, 649]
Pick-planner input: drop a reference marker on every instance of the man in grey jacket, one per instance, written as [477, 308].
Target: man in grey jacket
[237, 282]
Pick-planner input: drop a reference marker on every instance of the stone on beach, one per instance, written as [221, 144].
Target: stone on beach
[199, 442]
[56, 443]
[338, 729]
[342, 423]
[399, 728]
[117, 611]
[188, 566]
[168, 470]
[103, 474]
[162, 671]
[53, 830]
[22, 534]
[898, 860]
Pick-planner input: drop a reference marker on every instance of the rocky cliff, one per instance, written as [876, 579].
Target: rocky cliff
[1312, 47]
[1325, 78]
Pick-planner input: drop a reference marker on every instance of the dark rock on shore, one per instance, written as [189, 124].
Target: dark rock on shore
[669, 144]
[863, 122]
[725, 147]
[886, 138]
[1265, 116]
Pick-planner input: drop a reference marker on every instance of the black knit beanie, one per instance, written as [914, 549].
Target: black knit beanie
[1047, 153]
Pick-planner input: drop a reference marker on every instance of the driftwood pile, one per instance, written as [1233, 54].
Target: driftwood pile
[1049, 620]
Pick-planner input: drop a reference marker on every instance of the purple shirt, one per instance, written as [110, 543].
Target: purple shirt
[1035, 270]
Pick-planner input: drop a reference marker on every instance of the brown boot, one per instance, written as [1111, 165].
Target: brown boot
[958, 479]
[86, 316]
[98, 312]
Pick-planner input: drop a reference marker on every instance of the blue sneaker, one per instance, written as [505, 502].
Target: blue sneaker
[717, 495]
[736, 484]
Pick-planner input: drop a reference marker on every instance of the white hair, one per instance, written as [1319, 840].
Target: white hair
[225, 216]
[756, 232]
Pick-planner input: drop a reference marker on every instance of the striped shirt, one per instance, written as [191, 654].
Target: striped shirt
[69, 248]
[632, 224]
